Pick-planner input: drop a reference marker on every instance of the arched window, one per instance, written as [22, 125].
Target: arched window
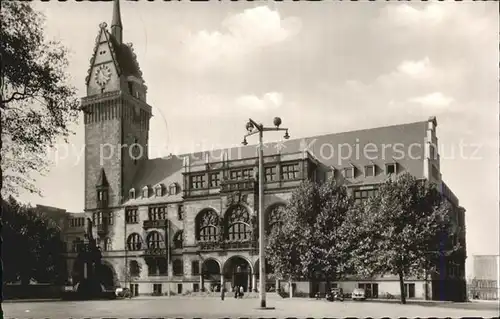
[238, 224]
[131, 194]
[154, 240]
[207, 223]
[178, 267]
[134, 242]
[178, 239]
[107, 244]
[275, 217]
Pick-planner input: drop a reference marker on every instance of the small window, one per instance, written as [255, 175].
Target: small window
[131, 194]
[159, 191]
[196, 287]
[197, 181]
[131, 216]
[390, 168]
[145, 192]
[349, 172]
[369, 170]
[270, 174]
[173, 189]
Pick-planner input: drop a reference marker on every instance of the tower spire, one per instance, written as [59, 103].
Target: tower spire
[116, 24]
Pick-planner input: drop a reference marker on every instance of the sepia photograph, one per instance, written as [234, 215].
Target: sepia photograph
[249, 159]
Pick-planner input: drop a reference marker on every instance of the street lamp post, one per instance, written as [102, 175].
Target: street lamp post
[254, 128]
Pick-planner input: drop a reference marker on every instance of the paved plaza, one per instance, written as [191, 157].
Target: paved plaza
[184, 307]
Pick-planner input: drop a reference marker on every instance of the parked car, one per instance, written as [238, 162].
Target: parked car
[123, 293]
[358, 294]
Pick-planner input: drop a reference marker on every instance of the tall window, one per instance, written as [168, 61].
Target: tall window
[197, 181]
[97, 218]
[131, 216]
[290, 171]
[207, 224]
[134, 242]
[214, 179]
[178, 239]
[158, 213]
[270, 173]
[238, 224]
[131, 194]
[107, 244]
[195, 268]
[362, 195]
[134, 268]
[154, 240]
[178, 267]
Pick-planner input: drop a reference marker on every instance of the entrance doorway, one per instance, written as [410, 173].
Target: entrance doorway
[238, 272]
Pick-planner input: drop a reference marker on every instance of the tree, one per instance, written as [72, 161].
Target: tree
[32, 248]
[37, 104]
[313, 239]
[409, 229]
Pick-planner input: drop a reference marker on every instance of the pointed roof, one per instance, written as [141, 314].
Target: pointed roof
[116, 22]
[123, 55]
[102, 181]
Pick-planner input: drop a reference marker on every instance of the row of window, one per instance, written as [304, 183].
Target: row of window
[159, 191]
[369, 170]
[154, 213]
[105, 244]
[159, 266]
[99, 218]
[153, 240]
[77, 222]
[288, 172]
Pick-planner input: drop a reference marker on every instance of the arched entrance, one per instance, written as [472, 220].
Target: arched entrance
[210, 274]
[105, 276]
[238, 272]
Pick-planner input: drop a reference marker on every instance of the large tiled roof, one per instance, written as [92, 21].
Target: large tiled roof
[169, 170]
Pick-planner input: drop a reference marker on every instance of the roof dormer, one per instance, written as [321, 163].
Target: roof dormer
[146, 191]
[159, 190]
[174, 189]
[131, 193]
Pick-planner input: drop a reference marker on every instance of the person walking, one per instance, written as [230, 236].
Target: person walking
[236, 291]
[222, 293]
[241, 292]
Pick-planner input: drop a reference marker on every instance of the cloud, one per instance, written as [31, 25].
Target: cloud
[405, 15]
[271, 100]
[243, 33]
[433, 100]
[416, 69]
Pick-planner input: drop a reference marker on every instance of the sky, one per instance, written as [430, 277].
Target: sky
[322, 67]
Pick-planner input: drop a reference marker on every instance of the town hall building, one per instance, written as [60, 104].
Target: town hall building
[188, 223]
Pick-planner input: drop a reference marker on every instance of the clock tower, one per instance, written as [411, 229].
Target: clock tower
[116, 118]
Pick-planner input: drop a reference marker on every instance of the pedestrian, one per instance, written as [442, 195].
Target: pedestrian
[241, 292]
[222, 293]
[236, 291]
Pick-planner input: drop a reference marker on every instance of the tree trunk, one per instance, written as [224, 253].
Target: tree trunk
[402, 287]
[290, 288]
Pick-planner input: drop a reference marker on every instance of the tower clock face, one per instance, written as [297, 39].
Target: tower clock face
[102, 75]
